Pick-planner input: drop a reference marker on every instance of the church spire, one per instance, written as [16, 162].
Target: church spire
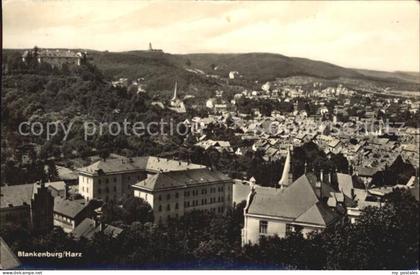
[175, 96]
[284, 181]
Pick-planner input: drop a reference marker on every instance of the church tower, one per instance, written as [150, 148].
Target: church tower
[174, 98]
[286, 177]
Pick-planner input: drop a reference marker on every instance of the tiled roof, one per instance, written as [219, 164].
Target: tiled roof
[65, 173]
[150, 164]
[297, 203]
[180, 179]
[57, 185]
[69, 208]
[88, 228]
[8, 259]
[345, 183]
[16, 195]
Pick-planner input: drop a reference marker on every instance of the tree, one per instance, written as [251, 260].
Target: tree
[137, 209]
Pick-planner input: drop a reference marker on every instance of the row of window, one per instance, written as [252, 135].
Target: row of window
[204, 191]
[194, 192]
[107, 180]
[168, 207]
[220, 209]
[107, 190]
[62, 218]
[289, 228]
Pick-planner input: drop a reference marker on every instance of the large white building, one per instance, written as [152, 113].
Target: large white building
[111, 179]
[171, 194]
[302, 206]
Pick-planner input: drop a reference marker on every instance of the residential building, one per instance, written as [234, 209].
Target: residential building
[279, 211]
[173, 193]
[68, 214]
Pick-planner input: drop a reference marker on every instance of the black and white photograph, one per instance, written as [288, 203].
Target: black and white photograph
[209, 135]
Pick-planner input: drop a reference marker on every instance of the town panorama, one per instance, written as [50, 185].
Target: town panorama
[147, 159]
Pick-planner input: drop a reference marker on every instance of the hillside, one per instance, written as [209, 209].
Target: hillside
[161, 68]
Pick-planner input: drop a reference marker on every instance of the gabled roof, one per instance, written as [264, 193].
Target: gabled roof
[69, 208]
[8, 259]
[180, 179]
[318, 214]
[297, 203]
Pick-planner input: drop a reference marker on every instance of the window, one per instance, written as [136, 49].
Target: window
[115, 188]
[99, 191]
[160, 208]
[289, 229]
[99, 181]
[160, 197]
[168, 197]
[176, 195]
[176, 206]
[168, 207]
[115, 179]
[263, 227]
[107, 180]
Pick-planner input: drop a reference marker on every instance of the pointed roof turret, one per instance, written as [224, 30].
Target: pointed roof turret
[284, 181]
[175, 96]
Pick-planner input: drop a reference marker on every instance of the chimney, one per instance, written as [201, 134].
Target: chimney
[66, 190]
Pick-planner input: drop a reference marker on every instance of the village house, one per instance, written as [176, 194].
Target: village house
[70, 213]
[280, 211]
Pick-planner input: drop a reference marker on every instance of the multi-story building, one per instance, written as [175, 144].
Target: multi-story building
[173, 193]
[111, 179]
[56, 58]
[27, 205]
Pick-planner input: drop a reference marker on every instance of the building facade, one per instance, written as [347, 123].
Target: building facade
[112, 179]
[301, 207]
[172, 194]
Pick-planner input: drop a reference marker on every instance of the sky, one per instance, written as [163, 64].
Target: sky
[358, 34]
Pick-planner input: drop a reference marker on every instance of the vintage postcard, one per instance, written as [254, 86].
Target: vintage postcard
[210, 135]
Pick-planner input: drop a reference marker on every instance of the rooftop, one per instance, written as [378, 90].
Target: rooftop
[89, 227]
[69, 208]
[149, 164]
[180, 179]
[297, 203]
[16, 195]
